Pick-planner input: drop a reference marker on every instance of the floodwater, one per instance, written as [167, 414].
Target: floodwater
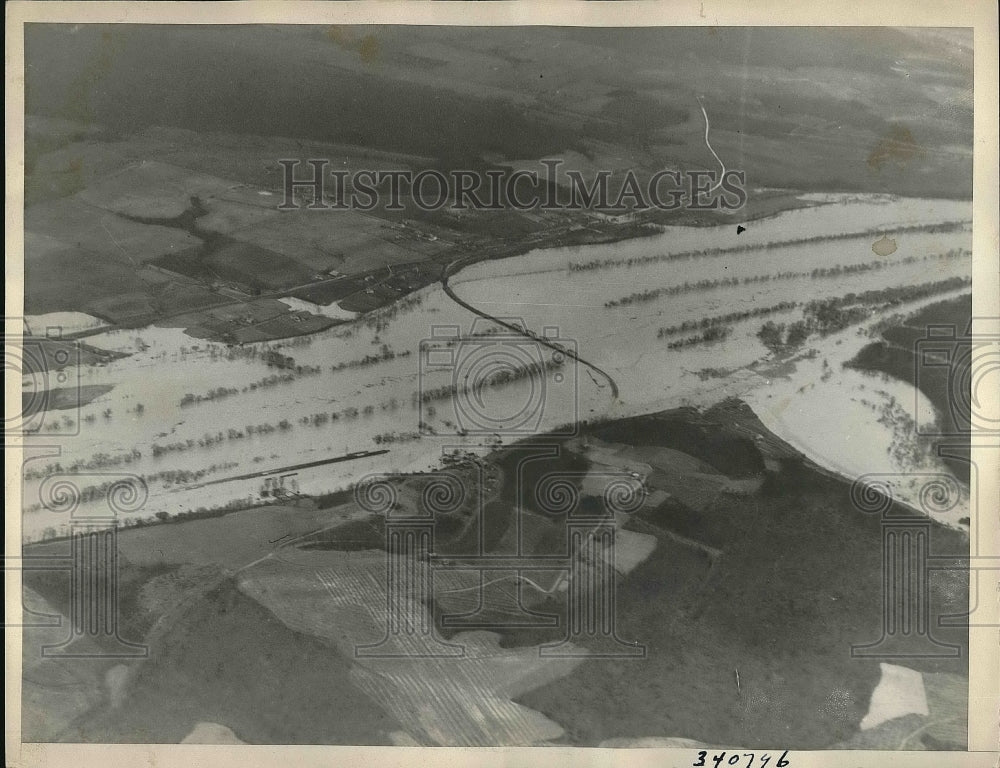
[165, 365]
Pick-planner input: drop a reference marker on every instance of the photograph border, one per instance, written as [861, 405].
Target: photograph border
[981, 15]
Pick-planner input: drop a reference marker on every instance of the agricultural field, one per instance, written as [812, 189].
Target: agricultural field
[717, 584]
[152, 240]
[110, 179]
[500, 94]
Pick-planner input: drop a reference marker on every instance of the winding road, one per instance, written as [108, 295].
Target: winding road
[722, 172]
[456, 265]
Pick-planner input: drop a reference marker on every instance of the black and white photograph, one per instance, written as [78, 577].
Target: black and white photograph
[559, 385]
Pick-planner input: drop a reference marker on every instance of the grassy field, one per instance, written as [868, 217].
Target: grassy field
[176, 595]
[268, 684]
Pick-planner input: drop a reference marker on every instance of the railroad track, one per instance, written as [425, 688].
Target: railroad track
[456, 265]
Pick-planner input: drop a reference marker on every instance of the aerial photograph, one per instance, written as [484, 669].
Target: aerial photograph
[460, 386]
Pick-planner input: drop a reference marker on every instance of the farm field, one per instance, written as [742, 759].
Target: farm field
[723, 586]
[107, 174]
[628, 101]
[152, 240]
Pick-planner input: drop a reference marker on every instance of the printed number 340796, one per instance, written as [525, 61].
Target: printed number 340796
[745, 760]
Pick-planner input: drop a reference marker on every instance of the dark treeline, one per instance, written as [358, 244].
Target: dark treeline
[819, 273]
[826, 316]
[384, 355]
[89, 493]
[672, 290]
[388, 438]
[731, 317]
[97, 461]
[268, 381]
[498, 379]
[714, 333]
[208, 439]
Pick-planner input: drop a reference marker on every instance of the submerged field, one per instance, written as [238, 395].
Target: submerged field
[746, 575]
[897, 355]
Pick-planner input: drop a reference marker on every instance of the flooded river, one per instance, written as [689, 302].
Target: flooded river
[358, 387]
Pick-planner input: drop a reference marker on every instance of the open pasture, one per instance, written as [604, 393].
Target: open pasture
[348, 242]
[104, 235]
[152, 189]
[340, 597]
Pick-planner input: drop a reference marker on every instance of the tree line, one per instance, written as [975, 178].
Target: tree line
[500, 378]
[730, 317]
[826, 316]
[838, 270]
[711, 334]
[634, 261]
